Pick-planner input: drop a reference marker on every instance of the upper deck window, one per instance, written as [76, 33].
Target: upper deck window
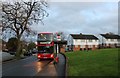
[45, 37]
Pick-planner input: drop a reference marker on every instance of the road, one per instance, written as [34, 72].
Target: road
[31, 66]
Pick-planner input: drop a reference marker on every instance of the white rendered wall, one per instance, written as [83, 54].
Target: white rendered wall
[85, 42]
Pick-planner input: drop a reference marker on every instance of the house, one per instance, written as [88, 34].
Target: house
[110, 40]
[80, 41]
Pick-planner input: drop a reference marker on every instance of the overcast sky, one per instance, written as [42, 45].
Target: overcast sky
[80, 17]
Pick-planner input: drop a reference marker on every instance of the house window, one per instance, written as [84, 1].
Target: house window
[112, 40]
[82, 40]
[90, 40]
[76, 40]
[118, 40]
[96, 40]
[115, 39]
[108, 40]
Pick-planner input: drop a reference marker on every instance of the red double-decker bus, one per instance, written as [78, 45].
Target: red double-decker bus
[45, 46]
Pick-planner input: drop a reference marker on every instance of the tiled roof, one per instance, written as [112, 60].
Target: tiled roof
[110, 36]
[83, 36]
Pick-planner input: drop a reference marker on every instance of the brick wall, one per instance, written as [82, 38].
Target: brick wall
[93, 48]
[78, 48]
[62, 48]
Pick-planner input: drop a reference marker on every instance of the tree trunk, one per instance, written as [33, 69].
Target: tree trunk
[19, 51]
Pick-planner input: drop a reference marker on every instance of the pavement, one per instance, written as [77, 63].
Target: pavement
[5, 56]
[32, 67]
[61, 66]
[0, 69]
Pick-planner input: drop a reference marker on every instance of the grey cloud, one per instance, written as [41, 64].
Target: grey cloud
[81, 17]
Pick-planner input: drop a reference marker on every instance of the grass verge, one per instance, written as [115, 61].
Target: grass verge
[101, 62]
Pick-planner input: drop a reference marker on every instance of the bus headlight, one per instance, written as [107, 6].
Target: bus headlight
[52, 55]
[39, 56]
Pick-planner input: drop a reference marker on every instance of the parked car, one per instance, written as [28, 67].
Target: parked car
[27, 54]
[34, 51]
[12, 53]
[6, 56]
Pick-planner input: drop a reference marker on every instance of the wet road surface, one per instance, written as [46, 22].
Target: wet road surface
[31, 66]
[25, 67]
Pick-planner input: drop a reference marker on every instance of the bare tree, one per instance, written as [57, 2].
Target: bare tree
[18, 16]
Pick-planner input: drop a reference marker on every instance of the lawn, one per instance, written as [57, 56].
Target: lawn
[101, 62]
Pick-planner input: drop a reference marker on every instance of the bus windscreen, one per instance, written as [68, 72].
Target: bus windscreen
[45, 49]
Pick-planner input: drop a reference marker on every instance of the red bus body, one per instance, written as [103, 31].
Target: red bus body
[45, 56]
[45, 46]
